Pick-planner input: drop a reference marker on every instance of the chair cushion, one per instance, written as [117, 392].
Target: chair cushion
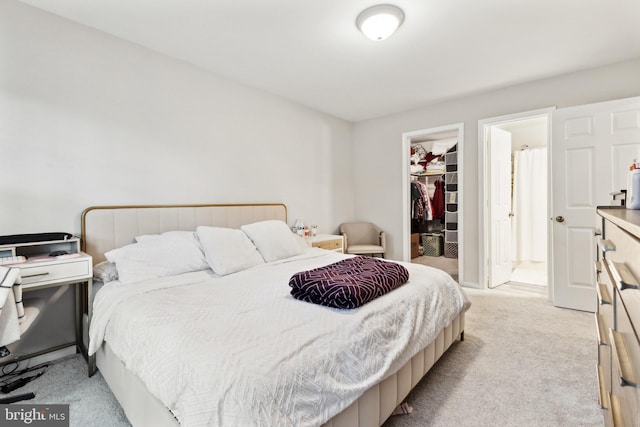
[365, 249]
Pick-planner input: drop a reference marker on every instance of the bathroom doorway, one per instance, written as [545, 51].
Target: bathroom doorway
[514, 158]
[528, 199]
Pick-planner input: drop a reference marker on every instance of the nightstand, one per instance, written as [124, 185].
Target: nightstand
[332, 242]
[42, 271]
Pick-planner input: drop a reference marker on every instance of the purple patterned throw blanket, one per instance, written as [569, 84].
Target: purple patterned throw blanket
[349, 283]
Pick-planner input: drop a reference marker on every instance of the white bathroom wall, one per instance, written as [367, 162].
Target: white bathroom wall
[88, 119]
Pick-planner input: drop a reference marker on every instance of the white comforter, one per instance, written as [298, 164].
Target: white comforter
[239, 350]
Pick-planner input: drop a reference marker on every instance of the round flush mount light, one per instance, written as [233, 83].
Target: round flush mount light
[379, 22]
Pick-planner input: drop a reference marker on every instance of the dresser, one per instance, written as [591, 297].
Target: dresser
[618, 316]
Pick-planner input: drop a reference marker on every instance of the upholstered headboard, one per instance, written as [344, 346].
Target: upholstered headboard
[109, 227]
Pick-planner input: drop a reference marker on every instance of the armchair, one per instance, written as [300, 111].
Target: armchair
[363, 238]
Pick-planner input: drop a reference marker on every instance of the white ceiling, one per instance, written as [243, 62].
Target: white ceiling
[310, 51]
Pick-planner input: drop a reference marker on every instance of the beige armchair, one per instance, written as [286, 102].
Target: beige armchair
[363, 238]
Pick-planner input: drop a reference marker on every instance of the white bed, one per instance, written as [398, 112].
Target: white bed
[256, 355]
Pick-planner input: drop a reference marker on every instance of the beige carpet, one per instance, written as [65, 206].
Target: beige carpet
[523, 363]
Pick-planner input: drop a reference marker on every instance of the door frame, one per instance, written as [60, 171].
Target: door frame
[484, 183]
[407, 138]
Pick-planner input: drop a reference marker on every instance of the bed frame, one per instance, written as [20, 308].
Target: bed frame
[108, 227]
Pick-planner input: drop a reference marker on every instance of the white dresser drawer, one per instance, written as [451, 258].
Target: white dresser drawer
[42, 273]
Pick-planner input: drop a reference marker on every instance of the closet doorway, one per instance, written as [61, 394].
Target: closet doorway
[432, 198]
[516, 222]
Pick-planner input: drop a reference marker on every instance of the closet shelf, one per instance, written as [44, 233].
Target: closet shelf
[428, 174]
[451, 203]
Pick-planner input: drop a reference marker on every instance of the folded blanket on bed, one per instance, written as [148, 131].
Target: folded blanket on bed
[349, 283]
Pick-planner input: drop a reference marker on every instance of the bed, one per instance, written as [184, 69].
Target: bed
[198, 348]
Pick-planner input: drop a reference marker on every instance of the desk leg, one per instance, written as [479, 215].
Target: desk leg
[78, 317]
[81, 346]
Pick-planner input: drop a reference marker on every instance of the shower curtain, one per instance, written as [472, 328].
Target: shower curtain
[529, 223]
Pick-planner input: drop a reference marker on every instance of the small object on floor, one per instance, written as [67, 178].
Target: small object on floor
[20, 382]
[17, 398]
[402, 409]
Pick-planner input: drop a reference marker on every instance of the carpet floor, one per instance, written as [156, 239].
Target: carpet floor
[523, 363]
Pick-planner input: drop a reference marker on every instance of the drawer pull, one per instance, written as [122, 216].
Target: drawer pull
[597, 265]
[603, 396]
[602, 339]
[35, 275]
[606, 245]
[603, 294]
[622, 276]
[623, 362]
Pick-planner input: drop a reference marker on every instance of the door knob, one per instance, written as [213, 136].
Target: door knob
[560, 218]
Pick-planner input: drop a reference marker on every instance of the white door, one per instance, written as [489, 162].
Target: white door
[499, 206]
[592, 148]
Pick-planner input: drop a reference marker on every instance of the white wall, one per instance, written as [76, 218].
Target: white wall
[378, 154]
[529, 132]
[88, 119]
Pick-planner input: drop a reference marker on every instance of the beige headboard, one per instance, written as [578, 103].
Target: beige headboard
[109, 227]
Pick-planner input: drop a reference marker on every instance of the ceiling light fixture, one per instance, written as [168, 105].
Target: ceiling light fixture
[379, 22]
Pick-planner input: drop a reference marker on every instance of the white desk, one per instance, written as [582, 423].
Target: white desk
[41, 271]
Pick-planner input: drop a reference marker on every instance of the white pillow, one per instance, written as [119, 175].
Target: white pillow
[228, 250]
[184, 240]
[159, 255]
[274, 239]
